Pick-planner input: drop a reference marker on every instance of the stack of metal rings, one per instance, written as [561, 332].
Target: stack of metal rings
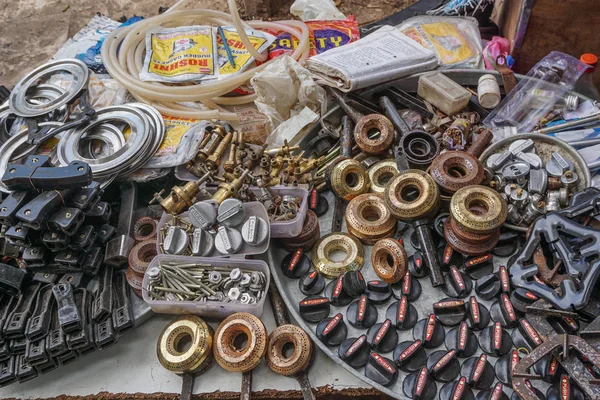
[476, 215]
[369, 219]
[412, 195]
[174, 357]
[230, 351]
[309, 235]
[323, 255]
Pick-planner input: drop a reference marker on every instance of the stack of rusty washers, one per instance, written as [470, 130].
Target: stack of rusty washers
[476, 215]
[308, 236]
[144, 233]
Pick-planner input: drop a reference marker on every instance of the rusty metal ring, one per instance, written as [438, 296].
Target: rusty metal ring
[389, 260]
[412, 195]
[310, 226]
[141, 254]
[134, 280]
[468, 199]
[192, 360]
[453, 170]
[468, 248]
[381, 173]
[305, 245]
[301, 357]
[236, 327]
[464, 235]
[144, 229]
[367, 127]
[369, 219]
[348, 179]
[328, 245]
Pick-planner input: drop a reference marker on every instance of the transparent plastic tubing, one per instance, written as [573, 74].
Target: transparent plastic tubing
[123, 56]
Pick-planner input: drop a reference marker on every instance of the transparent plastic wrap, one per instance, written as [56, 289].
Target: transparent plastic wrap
[531, 99]
[455, 41]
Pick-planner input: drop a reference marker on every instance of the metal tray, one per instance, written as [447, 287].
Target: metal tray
[291, 293]
[424, 304]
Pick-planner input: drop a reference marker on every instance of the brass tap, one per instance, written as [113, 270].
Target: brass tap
[213, 141]
[214, 160]
[284, 150]
[181, 197]
[231, 162]
[276, 166]
[253, 157]
[241, 152]
[227, 189]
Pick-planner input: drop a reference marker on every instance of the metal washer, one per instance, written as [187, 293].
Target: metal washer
[18, 100]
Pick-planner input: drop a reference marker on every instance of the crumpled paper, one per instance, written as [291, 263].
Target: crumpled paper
[288, 96]
[308, 10]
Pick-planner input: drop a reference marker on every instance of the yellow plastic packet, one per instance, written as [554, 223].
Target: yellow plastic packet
[186, 53]
[455, 40]
[242, 58]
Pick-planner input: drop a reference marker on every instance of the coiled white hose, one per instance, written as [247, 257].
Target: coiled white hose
[123, 56]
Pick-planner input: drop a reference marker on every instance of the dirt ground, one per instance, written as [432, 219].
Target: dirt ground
[33, 30]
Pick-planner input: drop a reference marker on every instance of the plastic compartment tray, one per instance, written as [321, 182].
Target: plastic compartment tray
[250, 208]
[212, 309]
[291, 228]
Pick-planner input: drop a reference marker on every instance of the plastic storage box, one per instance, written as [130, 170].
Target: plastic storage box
[250, 208]
[293, 227]
[443, 93]
[212, 309]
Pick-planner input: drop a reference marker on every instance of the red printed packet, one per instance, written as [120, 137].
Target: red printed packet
[327, 35]
[323, 36]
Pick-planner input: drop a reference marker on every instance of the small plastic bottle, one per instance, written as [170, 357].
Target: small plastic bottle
[585, 84]
[488, 91]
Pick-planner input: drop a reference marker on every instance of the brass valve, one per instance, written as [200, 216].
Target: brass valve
[181, 197]
[214, 160]
[284, 150]
[276, 166]
[228, 189]
[231, 162]
[240, 152]
[206, 148]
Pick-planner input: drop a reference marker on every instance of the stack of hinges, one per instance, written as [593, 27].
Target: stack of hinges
[56, 231]
[55, 321]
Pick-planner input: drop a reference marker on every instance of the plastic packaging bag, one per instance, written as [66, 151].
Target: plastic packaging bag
[241, 56]
[315, 9]
[532, 99]
[287, 93]
[182, 137]
[498, 46]
[322, 36]
[182, 54]
[455, 40]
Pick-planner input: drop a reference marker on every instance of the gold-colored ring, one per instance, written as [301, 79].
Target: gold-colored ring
[228, 356]
[411, 195]
[197, 357]
[384, 251]
[348, 179]
[380, 174]
[365, 127]
[337, 241]
[476, 196]
[369, 219]
[300, 358]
